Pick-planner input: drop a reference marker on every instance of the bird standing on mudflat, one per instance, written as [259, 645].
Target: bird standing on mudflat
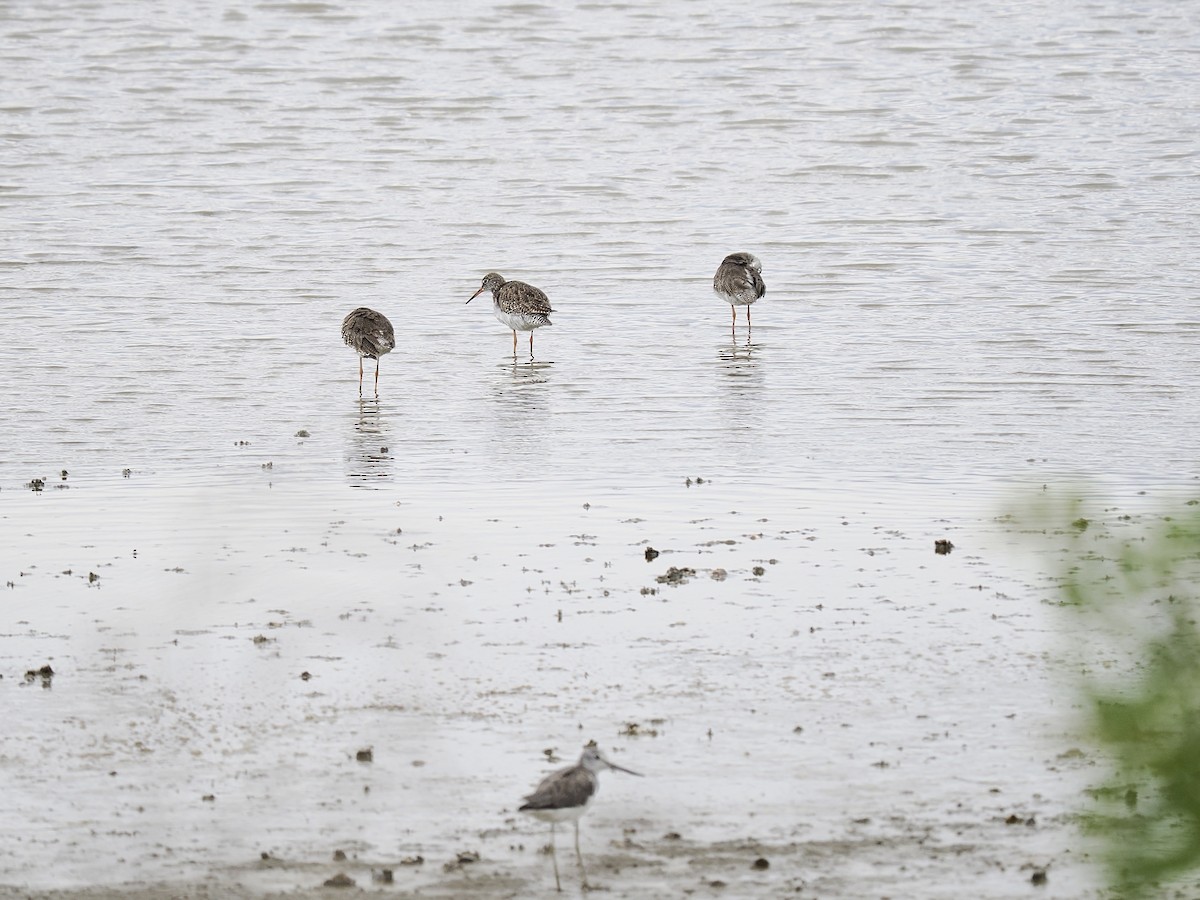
[520, 306]
[739, 283]
[370, 335]
[563, 796]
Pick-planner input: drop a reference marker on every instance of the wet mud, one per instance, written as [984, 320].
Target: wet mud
[296, 692]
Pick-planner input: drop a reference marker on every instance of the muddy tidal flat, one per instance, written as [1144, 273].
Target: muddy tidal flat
[256, 690]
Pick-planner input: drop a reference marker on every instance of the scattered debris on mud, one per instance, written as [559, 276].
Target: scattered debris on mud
[676, 575]
[45, 673]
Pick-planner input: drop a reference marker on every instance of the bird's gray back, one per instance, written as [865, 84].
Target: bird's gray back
[564, 789]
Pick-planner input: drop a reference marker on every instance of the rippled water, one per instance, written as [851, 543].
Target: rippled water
[977, 223]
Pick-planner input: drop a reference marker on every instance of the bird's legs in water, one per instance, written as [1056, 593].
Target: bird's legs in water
[531, 345]
[360, 373]
[579, 856]
[514, 342]
[554, 857]
[377, 376]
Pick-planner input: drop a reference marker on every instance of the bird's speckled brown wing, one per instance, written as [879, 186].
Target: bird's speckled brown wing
[368, 332]
[564, 789]
[737, 280]
[523, 299]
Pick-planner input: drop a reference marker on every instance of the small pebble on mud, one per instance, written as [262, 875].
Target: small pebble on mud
[759, 571]
[1038, 877]
[304, 676]
[718, 574]
[384, 876]
[339, 855]
[413, 861]
[761, 863]
[465, 857]
[302, 433]
[45, 673]
[366, 755]
[942, 547]
[651, 554]
[340, 880]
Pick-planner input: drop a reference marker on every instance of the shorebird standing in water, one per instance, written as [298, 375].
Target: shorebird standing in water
[563, 796]
[520, 306]
[370, 335]
[739, 283]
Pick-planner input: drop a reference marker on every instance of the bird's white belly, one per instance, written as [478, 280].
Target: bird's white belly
[744, 300]
[566, 814]
[517, 321]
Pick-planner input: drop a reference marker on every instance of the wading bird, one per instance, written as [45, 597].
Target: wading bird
[520, 306]
[370, 335]
[739, 283]
[563, 796]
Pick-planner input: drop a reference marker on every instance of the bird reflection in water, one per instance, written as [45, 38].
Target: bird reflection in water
[738, 359]
[741, 379]
[520, 417]
[370, 458]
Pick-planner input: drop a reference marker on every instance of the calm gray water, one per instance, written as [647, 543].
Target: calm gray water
[978, 224]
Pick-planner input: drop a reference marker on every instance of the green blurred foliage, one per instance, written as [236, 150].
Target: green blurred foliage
[1131, 583]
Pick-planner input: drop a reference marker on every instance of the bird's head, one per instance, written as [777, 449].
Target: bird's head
[492, 281]
[745, 259]
[594, 761]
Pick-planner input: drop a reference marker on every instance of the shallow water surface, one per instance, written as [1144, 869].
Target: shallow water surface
[976, 224]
